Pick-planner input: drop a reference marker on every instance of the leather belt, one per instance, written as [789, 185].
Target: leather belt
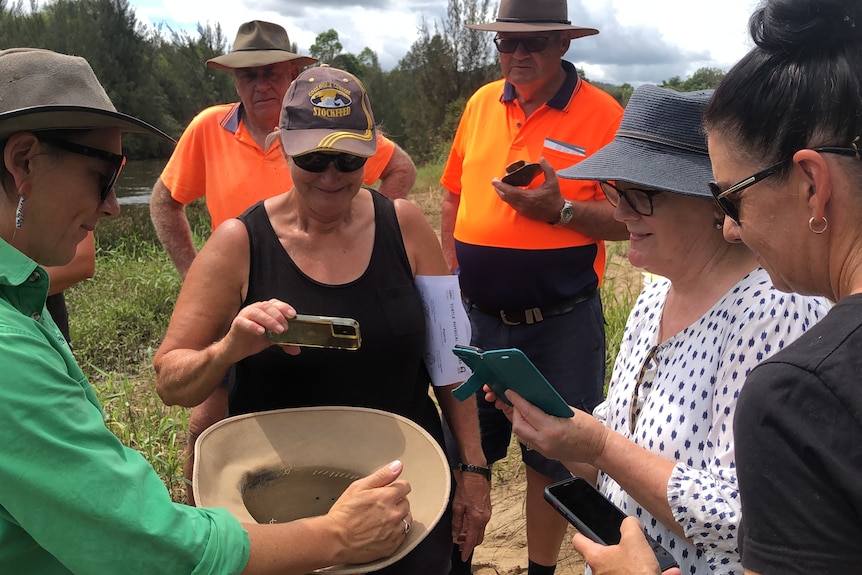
[535, 314]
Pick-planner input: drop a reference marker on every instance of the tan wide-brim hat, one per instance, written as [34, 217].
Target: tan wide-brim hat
[535, 16]
[276, 466]
[45, 90]
[259, 43]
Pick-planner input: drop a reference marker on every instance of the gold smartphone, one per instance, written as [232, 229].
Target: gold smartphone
[319, 331]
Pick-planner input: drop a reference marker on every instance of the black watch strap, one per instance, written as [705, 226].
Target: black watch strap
[485, 471]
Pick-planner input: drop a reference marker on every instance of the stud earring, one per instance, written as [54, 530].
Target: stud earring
[19, 213]
[719, 224]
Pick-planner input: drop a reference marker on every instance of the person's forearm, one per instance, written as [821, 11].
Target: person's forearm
[398, 176]
[595, 219]
[187, 377]
[463, 420]
[448, 213]
[172, 228]
[643, 475]
[297, 547]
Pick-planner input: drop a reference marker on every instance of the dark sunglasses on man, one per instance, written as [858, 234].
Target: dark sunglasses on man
[117, 161]
[317, 162]
[530, 44]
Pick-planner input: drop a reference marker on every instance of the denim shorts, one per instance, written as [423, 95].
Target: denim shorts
[568, 349]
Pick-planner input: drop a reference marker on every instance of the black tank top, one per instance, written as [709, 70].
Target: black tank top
[387, 371]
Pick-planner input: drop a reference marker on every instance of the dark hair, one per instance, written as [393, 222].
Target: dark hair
[800, 86]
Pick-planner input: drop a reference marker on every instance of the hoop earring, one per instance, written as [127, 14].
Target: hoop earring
[820, 230]
[19, 213]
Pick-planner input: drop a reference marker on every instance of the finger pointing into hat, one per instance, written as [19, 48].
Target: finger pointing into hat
[373, 515]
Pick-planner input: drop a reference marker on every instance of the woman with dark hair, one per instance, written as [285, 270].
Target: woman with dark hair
[784, 133]
[784, 136]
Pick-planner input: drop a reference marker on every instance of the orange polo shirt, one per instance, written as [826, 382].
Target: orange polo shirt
[499, 245]
[216, 157]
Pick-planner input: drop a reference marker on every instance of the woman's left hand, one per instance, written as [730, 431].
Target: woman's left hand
[580, 438]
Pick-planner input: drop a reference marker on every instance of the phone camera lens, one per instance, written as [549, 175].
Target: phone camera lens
[344, 330]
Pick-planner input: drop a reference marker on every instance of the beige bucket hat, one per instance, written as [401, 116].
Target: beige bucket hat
[276, 466]
[259, 43]
[45, 90]
[535, 16]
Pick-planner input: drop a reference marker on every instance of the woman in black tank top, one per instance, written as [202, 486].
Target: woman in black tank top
[325, 247]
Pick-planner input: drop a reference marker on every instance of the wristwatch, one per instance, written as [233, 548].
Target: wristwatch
[567, 212]
[485, 471]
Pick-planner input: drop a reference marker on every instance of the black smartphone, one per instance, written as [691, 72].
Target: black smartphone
[595, 516]
[319, 331]
[521, 173]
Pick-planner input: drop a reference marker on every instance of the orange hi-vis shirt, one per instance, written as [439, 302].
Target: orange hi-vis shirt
[216, 157]
[494, 132]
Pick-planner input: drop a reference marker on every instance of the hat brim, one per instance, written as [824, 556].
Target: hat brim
[39, 118]
[255, 58]
[298, 142]
[646, 164]
[237, 450]
[571, 32]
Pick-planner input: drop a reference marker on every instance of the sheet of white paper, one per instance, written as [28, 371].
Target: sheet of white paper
[446, 324]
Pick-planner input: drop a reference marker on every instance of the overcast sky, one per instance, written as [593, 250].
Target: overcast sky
[640, 40]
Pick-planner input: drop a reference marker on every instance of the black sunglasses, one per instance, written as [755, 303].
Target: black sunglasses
[730, 205]
[117, 161]
[531, 44]
[317, 162]
[639, 200]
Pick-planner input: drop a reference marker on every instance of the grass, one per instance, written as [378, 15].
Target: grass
[118, 319]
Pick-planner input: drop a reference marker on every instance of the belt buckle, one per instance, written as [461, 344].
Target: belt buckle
[506, 320]
[531, 316]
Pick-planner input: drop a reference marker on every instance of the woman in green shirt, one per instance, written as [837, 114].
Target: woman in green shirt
[73, 499]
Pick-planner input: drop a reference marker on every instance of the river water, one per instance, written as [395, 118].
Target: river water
[136, 181]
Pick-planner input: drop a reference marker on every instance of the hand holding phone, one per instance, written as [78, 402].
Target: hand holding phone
[595, 516]
[521, 173]
[319, 331]
[504, 369]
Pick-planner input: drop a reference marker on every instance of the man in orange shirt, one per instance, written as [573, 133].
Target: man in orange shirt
[530, 256]
[225, 155]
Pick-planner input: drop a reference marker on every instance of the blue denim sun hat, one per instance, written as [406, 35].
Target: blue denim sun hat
[660, 144]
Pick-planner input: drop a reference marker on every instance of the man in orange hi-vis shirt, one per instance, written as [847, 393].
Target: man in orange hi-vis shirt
[530, 256]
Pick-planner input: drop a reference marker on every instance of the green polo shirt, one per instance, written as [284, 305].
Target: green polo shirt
[73, 499]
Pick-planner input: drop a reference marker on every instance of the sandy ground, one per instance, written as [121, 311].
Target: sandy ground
[504, 551]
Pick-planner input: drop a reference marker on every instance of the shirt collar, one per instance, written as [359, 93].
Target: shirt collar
[561, 99]
[230, 122]
[16, 268]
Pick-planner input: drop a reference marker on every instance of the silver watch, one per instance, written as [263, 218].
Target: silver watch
[567, 212]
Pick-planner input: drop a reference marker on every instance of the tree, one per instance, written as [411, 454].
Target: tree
[326, 46]
[702, 79]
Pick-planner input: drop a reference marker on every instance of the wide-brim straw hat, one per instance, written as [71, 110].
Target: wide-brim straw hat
[45, 90]
[535, 16]
[660, 144]
[259, 43]
[275, 466]
[327, 110]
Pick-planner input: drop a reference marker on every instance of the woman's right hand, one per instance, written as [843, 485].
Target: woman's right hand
[632, 556]
[372, 515]
[247, 334]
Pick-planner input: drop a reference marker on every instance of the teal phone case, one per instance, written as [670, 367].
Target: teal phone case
[504, 369]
